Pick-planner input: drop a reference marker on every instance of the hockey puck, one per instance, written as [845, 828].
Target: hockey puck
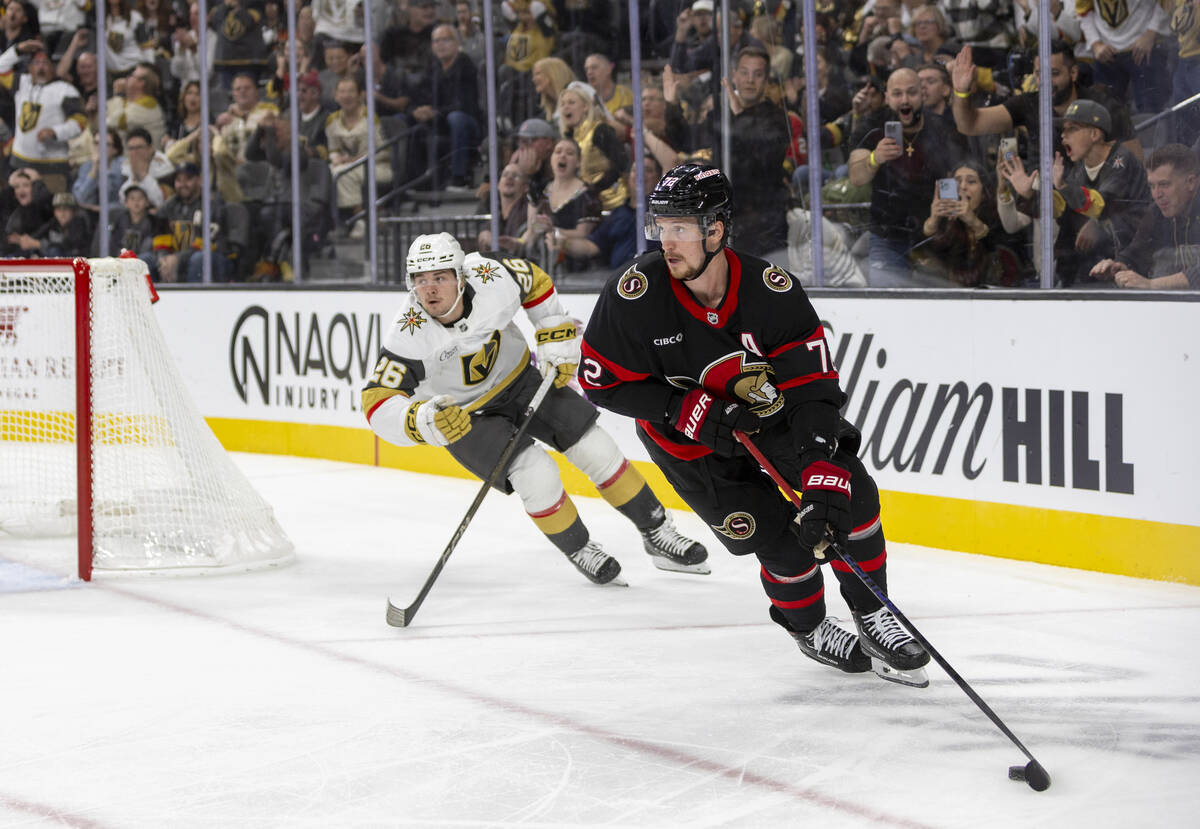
[1031, 773]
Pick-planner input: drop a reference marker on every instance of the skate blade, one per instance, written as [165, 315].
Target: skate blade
[663, 563]
[616, 581]
[915, 678]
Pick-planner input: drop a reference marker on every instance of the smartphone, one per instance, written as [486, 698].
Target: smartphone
[895, 131]
[947, 188]
[1008, 148]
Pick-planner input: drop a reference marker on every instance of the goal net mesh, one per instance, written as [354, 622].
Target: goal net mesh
[166, 496]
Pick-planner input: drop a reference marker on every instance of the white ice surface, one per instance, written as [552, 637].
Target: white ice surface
[523, 695]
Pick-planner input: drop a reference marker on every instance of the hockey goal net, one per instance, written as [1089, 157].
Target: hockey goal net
[99, 436]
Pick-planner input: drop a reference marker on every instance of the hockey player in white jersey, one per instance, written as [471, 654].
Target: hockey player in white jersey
[455, 371]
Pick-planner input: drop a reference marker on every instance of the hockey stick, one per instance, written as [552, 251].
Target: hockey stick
[401, 617]
[1032, 772]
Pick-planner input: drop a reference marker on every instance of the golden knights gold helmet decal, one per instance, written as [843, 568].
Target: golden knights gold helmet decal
[749, 383]
[737, 525]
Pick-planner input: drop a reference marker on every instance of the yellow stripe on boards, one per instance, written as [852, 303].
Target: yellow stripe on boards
[1106, 544]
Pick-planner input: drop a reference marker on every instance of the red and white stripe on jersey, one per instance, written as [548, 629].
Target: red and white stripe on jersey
[867, 529]
[777, 579]
[603, 373]
[869, 566]
[812, 362]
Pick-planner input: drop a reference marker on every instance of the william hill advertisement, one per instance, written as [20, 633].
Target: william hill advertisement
[1081, 406]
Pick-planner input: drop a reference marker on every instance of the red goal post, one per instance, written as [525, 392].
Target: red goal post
[99, 436]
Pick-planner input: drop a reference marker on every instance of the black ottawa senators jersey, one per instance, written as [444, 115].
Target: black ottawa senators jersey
[648, 339]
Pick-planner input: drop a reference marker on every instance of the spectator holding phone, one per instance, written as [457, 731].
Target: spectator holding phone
[901, 153]
[964, 230]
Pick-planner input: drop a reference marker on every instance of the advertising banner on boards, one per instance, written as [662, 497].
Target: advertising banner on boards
[1056, 404]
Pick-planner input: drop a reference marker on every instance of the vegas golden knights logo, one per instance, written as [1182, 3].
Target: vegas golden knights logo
[518, 47]
[1113, 12]
[476, 367]
[1185, 17]
[30, 112]
[233, 28]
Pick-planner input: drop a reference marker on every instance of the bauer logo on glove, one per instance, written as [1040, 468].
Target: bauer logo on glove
[827, 481]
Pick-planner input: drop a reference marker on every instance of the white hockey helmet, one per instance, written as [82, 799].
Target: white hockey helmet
[433, 252]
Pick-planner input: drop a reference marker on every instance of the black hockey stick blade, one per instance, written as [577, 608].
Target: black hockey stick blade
[1033, 773]
[401, 617]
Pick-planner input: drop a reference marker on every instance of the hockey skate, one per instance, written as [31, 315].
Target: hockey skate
[895, 655]
[671, 551]
[830, 644]
[597, 565]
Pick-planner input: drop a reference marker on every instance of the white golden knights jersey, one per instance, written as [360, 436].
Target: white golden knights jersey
[472, 359]
[56, 105]
[648, 340]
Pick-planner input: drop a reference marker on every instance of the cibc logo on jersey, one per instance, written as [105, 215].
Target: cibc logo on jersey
[737, 525]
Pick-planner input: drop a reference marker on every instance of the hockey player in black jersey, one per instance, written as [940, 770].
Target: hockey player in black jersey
[696, 341]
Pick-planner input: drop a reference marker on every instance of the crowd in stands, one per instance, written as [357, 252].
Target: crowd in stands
[929, 148]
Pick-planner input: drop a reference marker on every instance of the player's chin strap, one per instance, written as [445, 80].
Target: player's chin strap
[708, 257]
[462, 287]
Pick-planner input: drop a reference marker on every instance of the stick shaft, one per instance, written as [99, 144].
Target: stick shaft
[782, 483]
[405, 616]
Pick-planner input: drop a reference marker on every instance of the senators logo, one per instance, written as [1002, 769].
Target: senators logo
[737, 525]
[476, 367]
[750, 383]
[411, 321]
[777, 279]
[632, 284]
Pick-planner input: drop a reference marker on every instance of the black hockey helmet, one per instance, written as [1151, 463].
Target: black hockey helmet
[691, 189]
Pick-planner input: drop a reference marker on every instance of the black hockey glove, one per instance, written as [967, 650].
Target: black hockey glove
[707, 420]
[824, 501]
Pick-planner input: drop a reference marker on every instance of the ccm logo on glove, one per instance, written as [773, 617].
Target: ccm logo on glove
[558, 333]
